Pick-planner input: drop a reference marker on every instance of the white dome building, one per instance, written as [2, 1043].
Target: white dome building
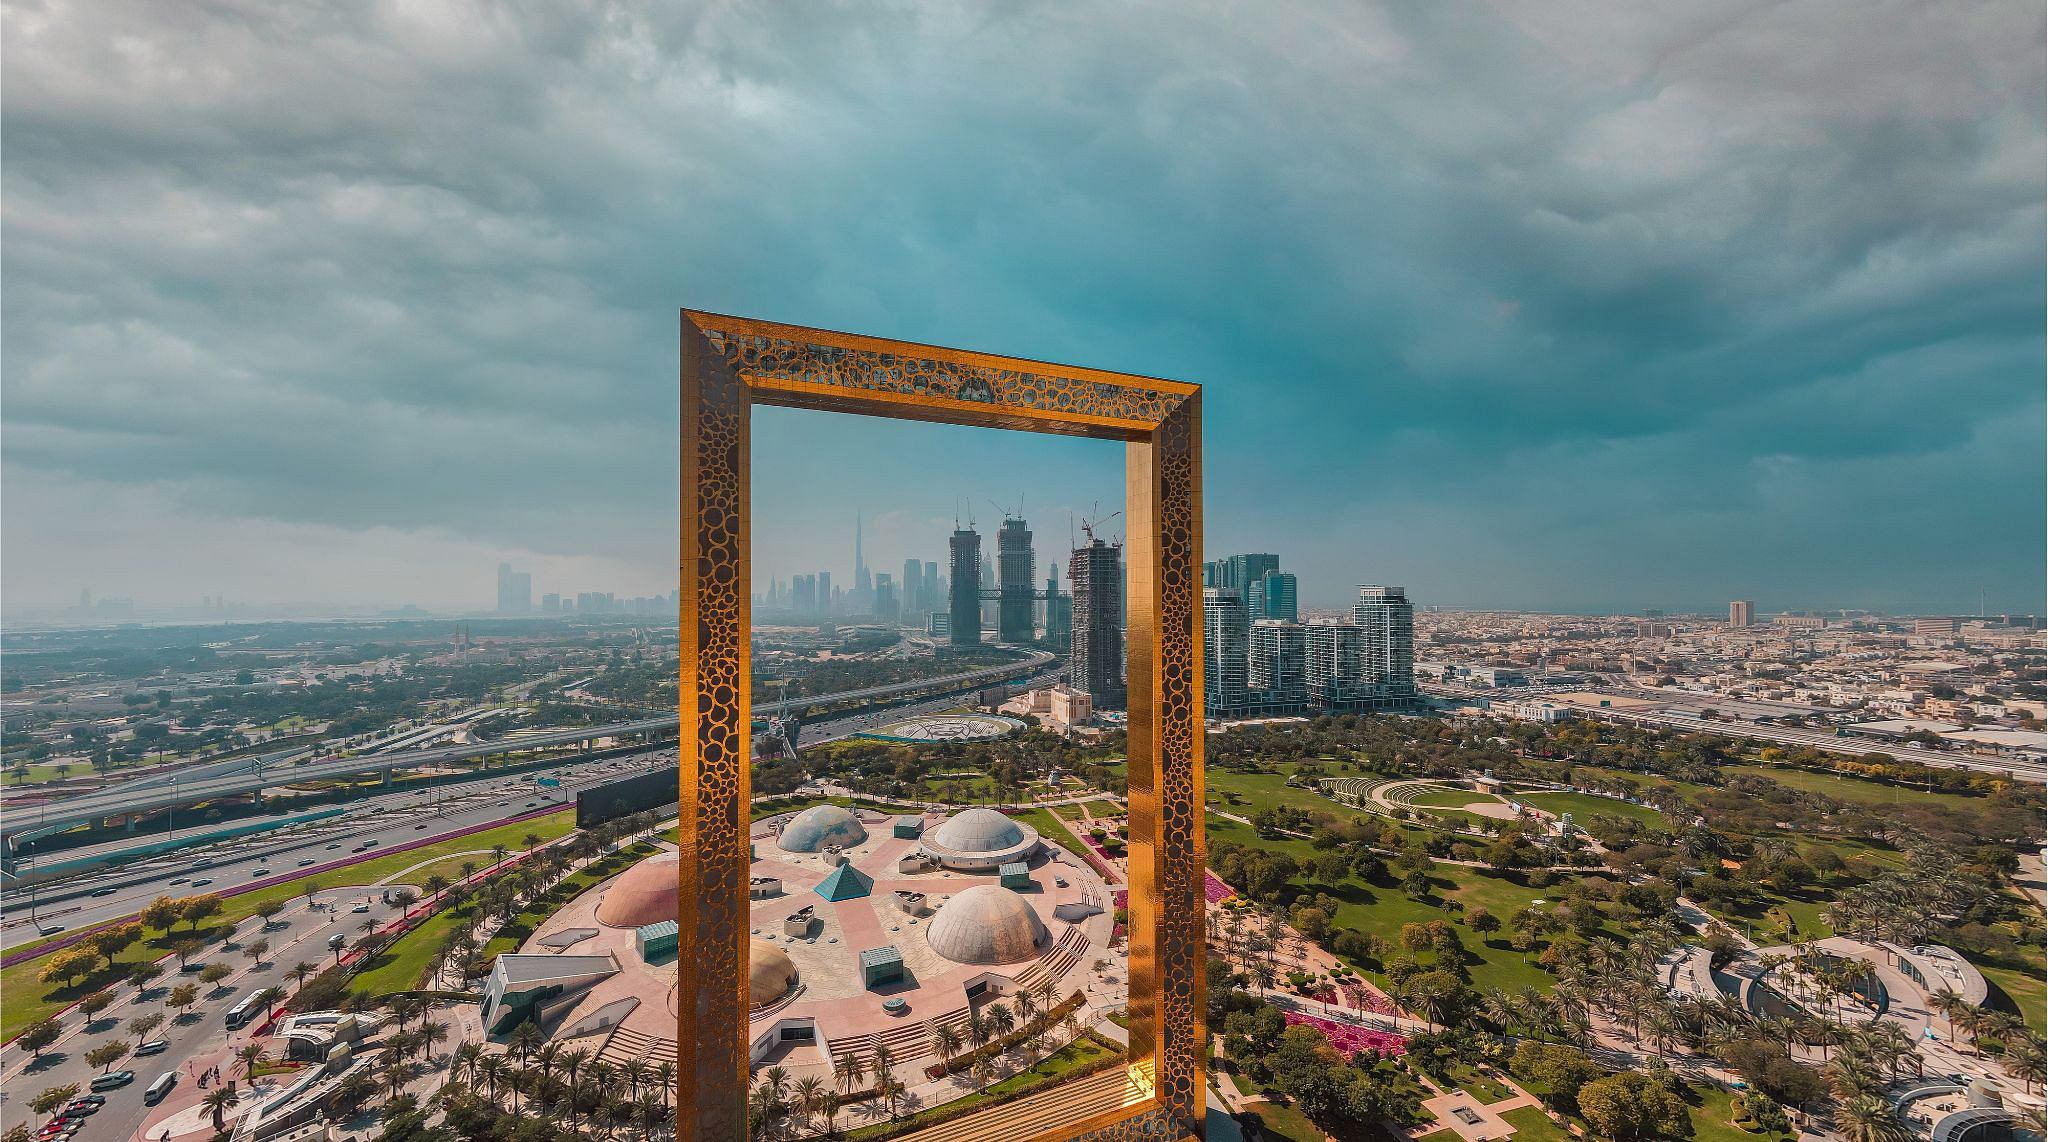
[821, 826]
[769, 973]
[987, 925]
[979, 840]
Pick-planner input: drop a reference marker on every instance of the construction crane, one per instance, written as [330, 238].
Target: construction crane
[1088, 525]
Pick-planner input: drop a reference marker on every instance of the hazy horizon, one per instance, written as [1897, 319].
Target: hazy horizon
[1577, 308]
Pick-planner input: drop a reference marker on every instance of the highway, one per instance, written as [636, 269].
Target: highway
[250, 775]
[388, 819]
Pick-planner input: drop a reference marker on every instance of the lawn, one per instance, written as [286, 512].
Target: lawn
[1105, 809]
[1713, 1117]
[1248, 793]
[29, 1000]
[2028, 990]
[1479, 1086]
[1285, 1122]
[450, 868]
[1585, 806]
[1383, 909]
[1855, 790]
[1532, 1125]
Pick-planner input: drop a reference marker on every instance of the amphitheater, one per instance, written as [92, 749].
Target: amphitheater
[866, 929]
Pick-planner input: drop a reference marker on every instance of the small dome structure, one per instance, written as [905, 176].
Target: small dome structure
[769, 973]
[987, 924]
[978, 830]
[642, 895]
[819, 826]
[979, 839]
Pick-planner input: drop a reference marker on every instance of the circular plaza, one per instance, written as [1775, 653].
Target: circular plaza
[947, 728]
[867, 931]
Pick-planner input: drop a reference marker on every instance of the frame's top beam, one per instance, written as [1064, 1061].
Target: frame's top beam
[821, 368]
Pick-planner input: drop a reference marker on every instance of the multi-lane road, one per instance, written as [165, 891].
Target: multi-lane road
[251, 775]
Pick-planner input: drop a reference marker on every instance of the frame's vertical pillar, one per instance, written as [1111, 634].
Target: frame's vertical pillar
[1163, 495]
[715, 706]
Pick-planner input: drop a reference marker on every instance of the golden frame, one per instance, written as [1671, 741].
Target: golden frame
[731, 363]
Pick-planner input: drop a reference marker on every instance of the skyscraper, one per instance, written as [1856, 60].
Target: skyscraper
[1225, 652]
[863, 587]
[887, 609]
[1279, 666]
[964, 553]
[803, 594]
[827, 600]
[1241, 571]
[1387, 640]
[1336, 670]
[1741, 613]
[1272, 596]
[1016, 566]
[1097, 663]
[913, 591]
[515, 590]
[1059, 615]
[932, 597]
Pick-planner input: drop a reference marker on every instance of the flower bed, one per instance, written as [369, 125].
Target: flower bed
[1349, 1040]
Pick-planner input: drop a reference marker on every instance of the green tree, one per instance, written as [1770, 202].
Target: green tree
[1634, 1107]
[105, 1055]
[39, 1036]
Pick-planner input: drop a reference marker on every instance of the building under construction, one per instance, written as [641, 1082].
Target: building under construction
[1016, 566]
[964, 605]
[1097, 664]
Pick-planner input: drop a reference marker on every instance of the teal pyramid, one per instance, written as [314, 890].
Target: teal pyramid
[844, 883]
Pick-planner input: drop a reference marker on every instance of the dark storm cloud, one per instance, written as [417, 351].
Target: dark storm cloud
[1549, 304]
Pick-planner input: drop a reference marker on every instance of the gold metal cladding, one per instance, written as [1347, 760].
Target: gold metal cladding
[731, 363]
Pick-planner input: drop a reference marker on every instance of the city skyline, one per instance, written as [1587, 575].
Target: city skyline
[1697, 327]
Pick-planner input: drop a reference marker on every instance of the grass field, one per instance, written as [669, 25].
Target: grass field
[1382, 910]
[29, 1000]
[1083, 1052]
[1584, 806]
[1532, 1125]
[1446, 798]
[1855, 790]
[1713, 1115]
[1285, 1122]
[2028, 990]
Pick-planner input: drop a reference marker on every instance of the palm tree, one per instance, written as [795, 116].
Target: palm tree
[828, 1109]
[984, 1070]
[978, 1031]
[1048, 995]
[217, 1102]
[810, 1092]
[1869, 1118]
[249, 1056]
[464, 1062]
[1027, 1007]
[2023, 1060]
[1002, 1020]
[946, 1042]
[850, 1071]
[432, 1032]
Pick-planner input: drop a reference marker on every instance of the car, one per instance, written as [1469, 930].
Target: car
[107, 891]
[113, 1081]
[307, 863]
[530, 804]
[202, 882]
[153, 1047]
[504, 804]
[418, 827]
[81, 1107]
[49, 929]
[372, 843]
[93, 1099]
[182, 880]
[56, 1129]
[260, 872]
[332, 847]
[360, 907]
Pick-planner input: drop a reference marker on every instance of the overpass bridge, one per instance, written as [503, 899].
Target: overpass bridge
[244, 776]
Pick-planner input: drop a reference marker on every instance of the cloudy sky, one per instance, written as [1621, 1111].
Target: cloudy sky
[1530, 305]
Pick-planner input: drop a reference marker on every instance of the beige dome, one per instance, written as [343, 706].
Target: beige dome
[769, 973]
[644, 894]
[987, 924]
[978, 830]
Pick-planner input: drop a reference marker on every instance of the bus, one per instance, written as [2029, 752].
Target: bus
[240, 1014]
